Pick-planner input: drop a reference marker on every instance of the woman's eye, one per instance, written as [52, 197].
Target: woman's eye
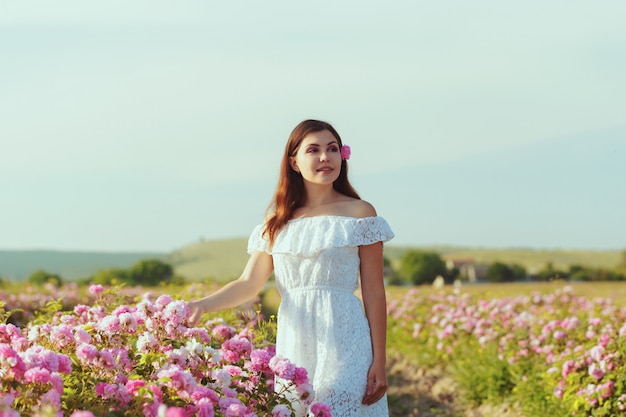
[333, 149]
[311, 150]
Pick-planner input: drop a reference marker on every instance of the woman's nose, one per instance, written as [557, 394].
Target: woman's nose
[323, 156]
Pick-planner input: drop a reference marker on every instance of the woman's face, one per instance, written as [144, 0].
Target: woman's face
[318, 158]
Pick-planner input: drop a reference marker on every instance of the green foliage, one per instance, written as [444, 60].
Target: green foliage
[41, 277]
[46, 314]
[482, 379]
[582, 273]
[535, 390]
[550, 273]
[501, 272]
[111, 276]
[420, 267]
[519, 272]
[150, 272]
[5, 315]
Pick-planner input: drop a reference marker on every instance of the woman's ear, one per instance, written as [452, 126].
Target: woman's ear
[294, 165]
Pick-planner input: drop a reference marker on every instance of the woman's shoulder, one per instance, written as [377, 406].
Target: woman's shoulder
[358, 208]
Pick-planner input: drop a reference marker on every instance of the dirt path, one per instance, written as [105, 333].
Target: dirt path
[414, 391]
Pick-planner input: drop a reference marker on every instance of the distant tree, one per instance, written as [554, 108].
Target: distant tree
[549, 273]
[578, 273]
[391, 278]
[452, 275]
[500, 272]
[40, 277]
[420, 267]
[150, 272]
[581, 273]
[519, 272]
[110, 276]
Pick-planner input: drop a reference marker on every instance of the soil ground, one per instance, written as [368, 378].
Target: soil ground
[415, 391]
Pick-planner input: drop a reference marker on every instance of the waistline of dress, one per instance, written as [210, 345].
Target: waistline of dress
[329, 288]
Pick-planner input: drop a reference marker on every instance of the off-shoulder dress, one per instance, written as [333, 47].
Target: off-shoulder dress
[321, 322]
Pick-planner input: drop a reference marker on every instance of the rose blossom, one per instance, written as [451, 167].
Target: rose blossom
[281, 410]
[96, 289]
[320, 410]
[81, 413]
[282, 367]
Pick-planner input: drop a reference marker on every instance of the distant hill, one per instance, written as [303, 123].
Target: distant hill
[71, 265]
[224, 260]
[218, 259]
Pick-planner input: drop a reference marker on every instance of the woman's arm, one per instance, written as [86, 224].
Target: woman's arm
[256, 273]
[374, 301]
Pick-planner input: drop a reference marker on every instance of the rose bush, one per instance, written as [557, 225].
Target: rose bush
[118, 359]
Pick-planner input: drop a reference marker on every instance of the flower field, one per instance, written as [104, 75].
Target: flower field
[550, 354]
[106, 357]
[81, 352]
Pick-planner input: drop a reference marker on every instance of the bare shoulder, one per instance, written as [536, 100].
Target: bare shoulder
[359, 208]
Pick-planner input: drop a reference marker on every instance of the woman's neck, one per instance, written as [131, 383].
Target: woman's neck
[317, 196]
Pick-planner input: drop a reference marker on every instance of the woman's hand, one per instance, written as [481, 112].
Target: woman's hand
[376, 383]
[258, 269]
[195, 312]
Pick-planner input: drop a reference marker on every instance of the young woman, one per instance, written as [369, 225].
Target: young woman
[319, 237]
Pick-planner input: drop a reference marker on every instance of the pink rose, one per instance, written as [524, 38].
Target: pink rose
[282, 367]
[345, 152]
[81, 413]
[320, 410]
[281, 410]
[175, 412]
[37, 375]
[96, 289]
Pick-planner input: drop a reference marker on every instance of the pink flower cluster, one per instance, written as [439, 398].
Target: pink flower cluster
[143, 360]
[579, 342]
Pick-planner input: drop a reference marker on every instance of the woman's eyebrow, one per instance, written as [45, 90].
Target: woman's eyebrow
[318, 145]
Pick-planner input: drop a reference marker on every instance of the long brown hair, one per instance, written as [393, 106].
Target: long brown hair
[290, 192]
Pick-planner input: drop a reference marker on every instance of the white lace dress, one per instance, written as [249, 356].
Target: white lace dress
[321, 322]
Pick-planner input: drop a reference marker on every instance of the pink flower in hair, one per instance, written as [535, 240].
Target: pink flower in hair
[345, 152]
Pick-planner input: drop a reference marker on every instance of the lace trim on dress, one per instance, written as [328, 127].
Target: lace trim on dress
[322, 232]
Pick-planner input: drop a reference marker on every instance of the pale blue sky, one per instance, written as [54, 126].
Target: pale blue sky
[145, 125]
